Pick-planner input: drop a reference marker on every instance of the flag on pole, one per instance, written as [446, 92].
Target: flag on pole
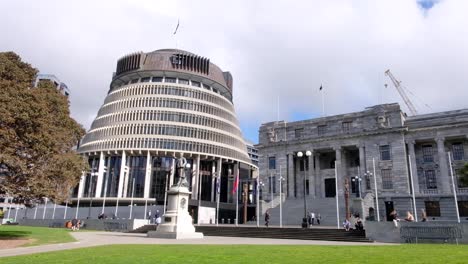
[236, 183]
[177, 27]
[218, 185]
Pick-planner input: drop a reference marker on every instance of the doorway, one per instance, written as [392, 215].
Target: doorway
[388, 209]
[330, 188]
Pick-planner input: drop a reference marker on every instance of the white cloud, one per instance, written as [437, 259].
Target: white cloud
[272, 48]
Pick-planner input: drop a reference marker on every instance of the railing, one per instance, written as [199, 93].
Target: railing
[411, 234]
[432, 191]
[463, 190]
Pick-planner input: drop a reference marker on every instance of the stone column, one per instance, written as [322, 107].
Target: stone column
[290, 175]
[318, 176]
[311, 174]
[414, 165]
[339, 170]
[147, 176]
[122, 176]
[100, 176]
[81, 185]
[444, 180]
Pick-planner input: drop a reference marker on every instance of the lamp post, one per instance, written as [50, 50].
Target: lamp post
[259, 188]
[370, 174]
[357, 184]
[281, 179]
[301, 155]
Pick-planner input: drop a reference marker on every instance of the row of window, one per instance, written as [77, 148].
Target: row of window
[433, 208]
[458, 152]
[167, 103]
[141, 90]
[346, 127]
[171, 80]
[154, 115]
[163, 144]
[167, 130]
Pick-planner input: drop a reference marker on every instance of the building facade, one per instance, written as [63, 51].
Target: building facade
[252, 151]
[62, 87]
[163, 106]
[379, 147]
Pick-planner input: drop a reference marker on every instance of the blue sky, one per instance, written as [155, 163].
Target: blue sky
[284, 49]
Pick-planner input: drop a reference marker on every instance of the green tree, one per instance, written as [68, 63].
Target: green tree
[463, 174]
[37, 136]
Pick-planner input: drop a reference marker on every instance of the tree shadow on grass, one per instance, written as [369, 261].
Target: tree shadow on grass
[7, 235]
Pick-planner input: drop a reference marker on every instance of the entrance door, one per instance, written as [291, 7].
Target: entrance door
[388, 209]
[330, 188]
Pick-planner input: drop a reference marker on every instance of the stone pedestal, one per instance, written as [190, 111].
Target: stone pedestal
[177, 221]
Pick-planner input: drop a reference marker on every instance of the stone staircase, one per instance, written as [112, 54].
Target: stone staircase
[293, 211]
[327, 234]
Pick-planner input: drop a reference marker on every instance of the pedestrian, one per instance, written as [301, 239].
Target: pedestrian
[409, 217]
[359, 225]
[319, 217]
[309, 219]
[312, 217]
[267, 218]
[74, 221]
[149, 216]
[394, 217]
[157, 219]
[346, 224]
[423, 215]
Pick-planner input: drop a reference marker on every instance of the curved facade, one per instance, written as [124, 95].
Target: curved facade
[161, 106]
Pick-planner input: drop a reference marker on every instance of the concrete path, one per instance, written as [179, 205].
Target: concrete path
[91, 239]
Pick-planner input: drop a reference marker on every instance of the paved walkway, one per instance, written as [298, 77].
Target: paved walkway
[91, 239]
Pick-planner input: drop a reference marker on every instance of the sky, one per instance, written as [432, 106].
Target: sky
[279, 52]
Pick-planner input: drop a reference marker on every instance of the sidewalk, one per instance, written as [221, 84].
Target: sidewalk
[91, 239]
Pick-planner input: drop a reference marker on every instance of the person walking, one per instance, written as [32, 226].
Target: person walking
[157, 219]
[312, 217]
[319, 217]
[267, 218]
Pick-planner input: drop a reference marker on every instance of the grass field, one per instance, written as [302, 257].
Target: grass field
[39, 235]
[115, 254]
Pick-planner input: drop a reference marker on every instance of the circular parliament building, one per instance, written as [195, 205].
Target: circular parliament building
[164, 107]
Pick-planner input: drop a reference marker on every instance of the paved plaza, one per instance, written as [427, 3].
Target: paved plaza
[91, 239]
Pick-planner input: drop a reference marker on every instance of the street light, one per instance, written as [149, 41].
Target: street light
[369, 174]
[260, 184]
[281, 179]
[300, 155]
[357, 184]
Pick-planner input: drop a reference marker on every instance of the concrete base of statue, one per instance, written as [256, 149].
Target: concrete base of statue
[177, 221]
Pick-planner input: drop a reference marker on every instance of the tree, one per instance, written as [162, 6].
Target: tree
[37, 135]
[463, 175]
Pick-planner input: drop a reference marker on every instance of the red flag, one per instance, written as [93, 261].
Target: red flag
[236, 183]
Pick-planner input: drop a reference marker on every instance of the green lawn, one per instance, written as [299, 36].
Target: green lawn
[230, 254]
[40, 235]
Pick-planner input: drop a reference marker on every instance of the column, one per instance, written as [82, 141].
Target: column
[444, 179]
[81, 185]
[310, 174]
[100, 176]
[122, 175]
[319, 181]
[195, 182]
[414, 167]
[147, 176]
[289, 175]
[339, 170]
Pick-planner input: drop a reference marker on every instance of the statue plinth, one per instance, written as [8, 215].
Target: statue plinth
[177, 220]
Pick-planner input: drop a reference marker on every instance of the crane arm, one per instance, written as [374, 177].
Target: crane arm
[402, 93]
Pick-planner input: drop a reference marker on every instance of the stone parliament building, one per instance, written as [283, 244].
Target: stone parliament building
[383, 134]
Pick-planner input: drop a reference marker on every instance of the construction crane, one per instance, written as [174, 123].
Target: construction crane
[402, 93]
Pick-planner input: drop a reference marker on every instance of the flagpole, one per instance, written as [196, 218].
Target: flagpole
[336, 197]
[454, 189]
[45, 208]
[258, 201]
[53, 213]
[412, 190]
[77, 207]
[218, 185]
[65, 212]
[237, 196]
[281, 198]
[323, 101]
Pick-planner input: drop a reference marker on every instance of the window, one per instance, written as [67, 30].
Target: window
[458, 151]
[170, 80]
[460, 183]
[272, 163]
[196, 84]
[322, 130]
[428, 153]
[387, 182]
[463, 208]
[432, 208]
[346, 126]
[134, 81]
[157, 79]
[183, 81]
[385, 152]
[431, 181]
[298, 132]
[146, 79]
[206, 86]
[271, 184]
